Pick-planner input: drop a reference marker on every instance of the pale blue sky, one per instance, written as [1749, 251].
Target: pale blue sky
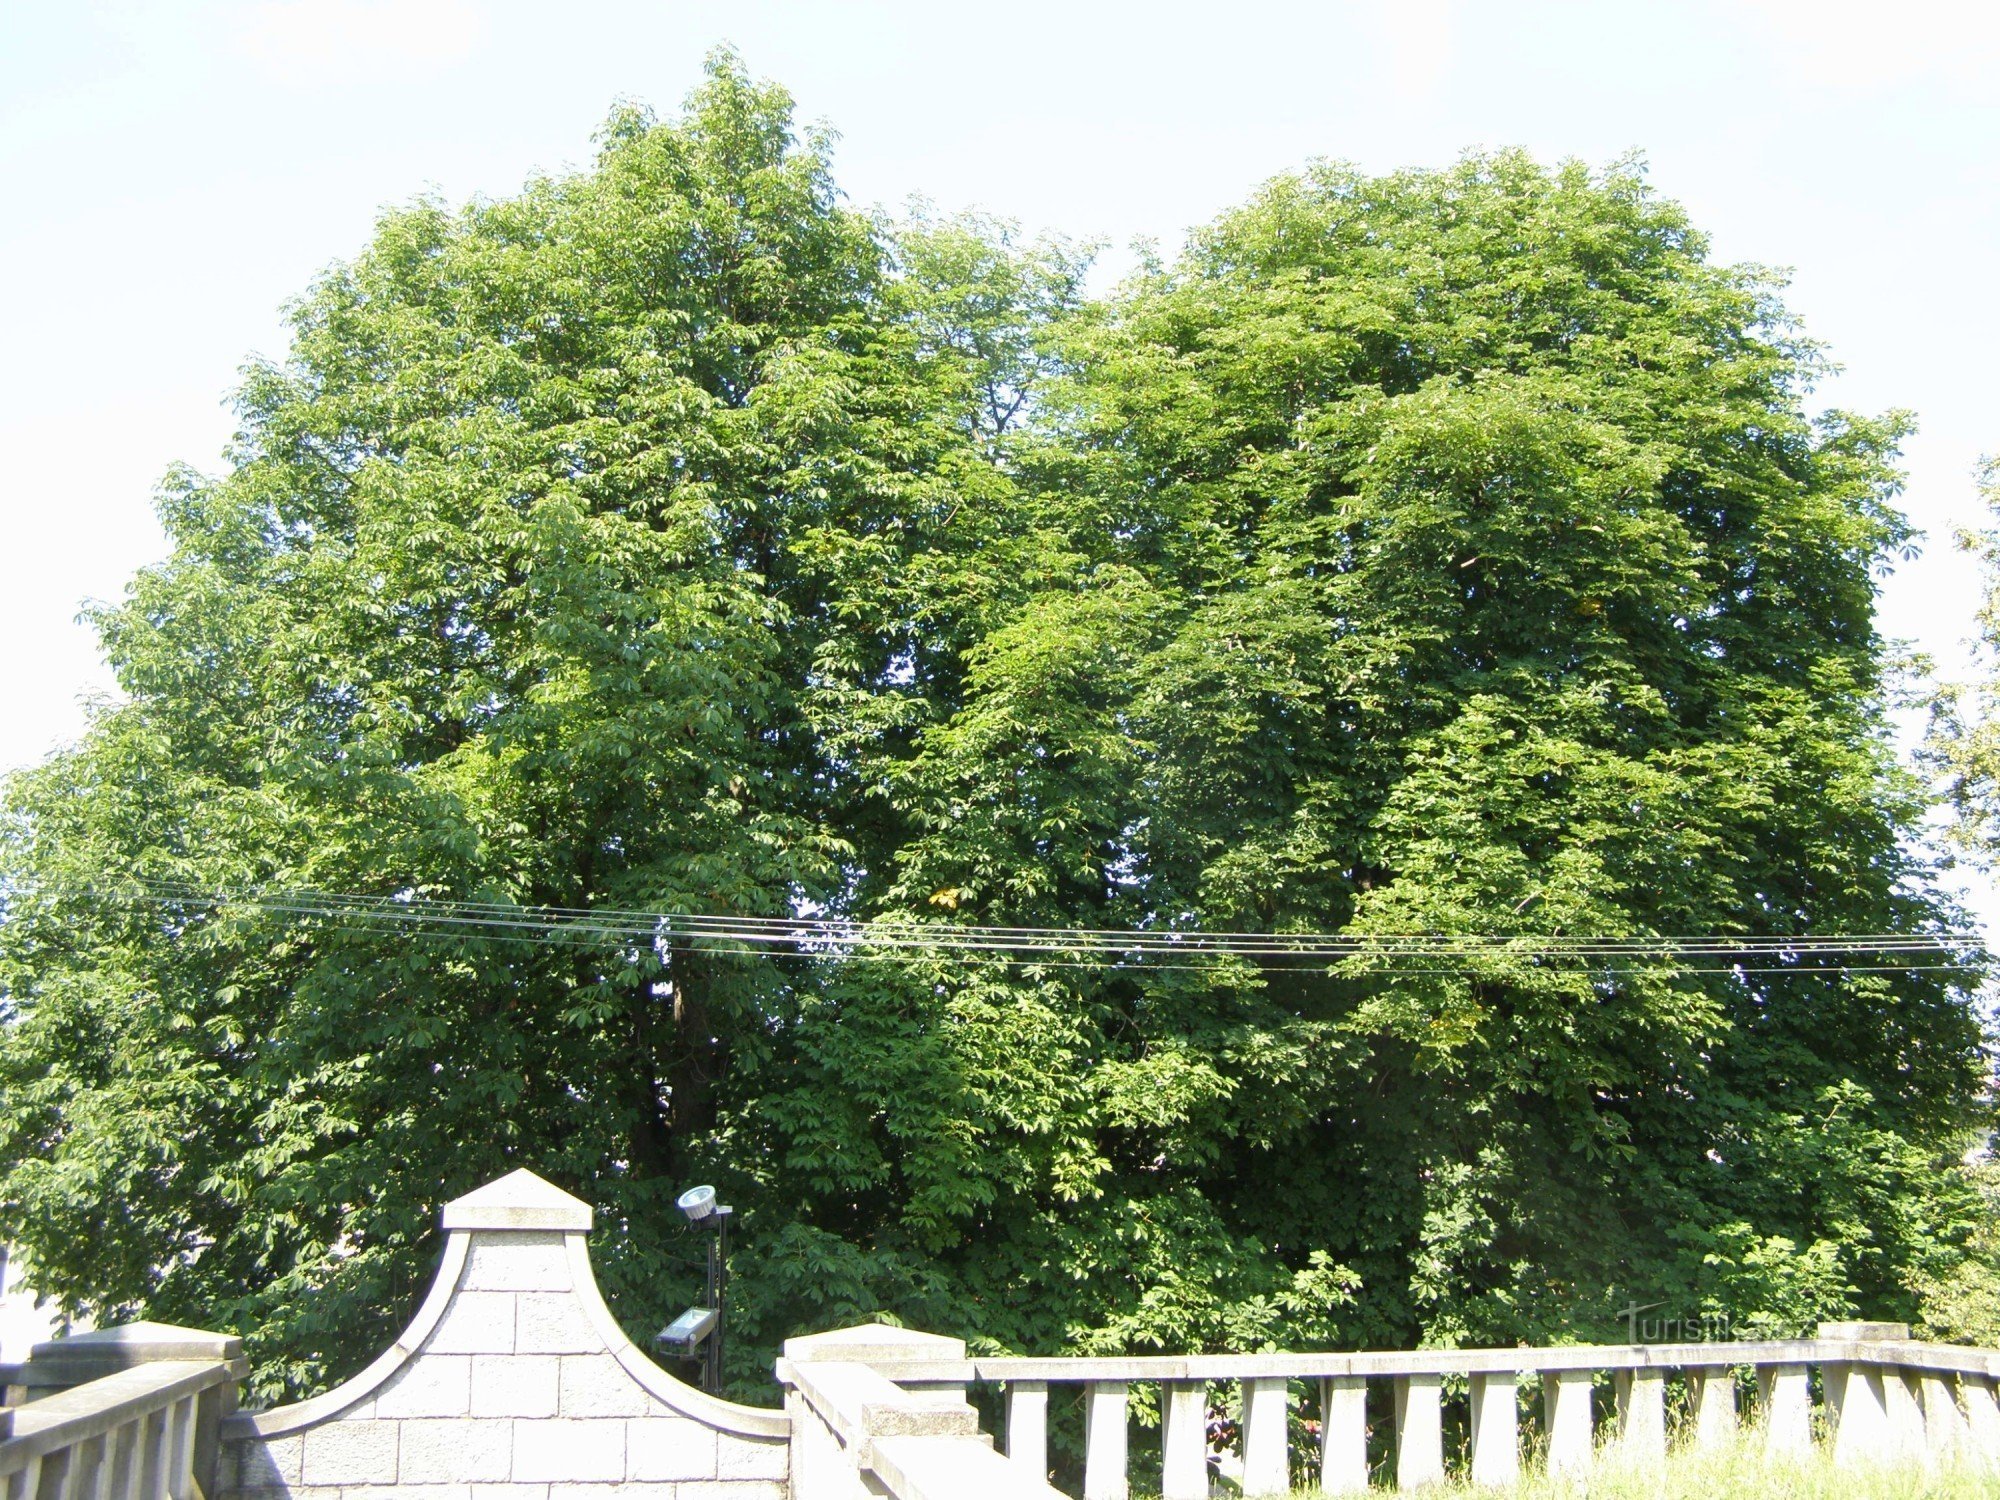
[171, 172]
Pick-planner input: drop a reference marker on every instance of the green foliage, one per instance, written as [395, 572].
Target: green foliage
[1444, 552]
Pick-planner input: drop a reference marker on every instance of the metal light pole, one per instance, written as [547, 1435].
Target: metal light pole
[718, 1293]
[697, 1333]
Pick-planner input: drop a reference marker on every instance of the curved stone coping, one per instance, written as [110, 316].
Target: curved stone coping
[1957, 1359]
[309, 1413]
[728, 1416]
[745, 1421]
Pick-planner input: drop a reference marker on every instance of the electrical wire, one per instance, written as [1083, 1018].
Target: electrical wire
[908, 940]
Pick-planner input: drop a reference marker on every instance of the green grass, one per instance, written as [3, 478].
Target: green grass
[1742, 1469]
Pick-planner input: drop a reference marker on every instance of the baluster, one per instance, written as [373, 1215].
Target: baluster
[25, 1481]
[1642, 1416]
[1906, 1415]
[122, 1466]
[1183, 1440]
[1343, 1434]
[1945, 1435]
[1104, 1440]
[1419, 1431]
[155, 1434]
[1496, 1429]
[1714, 1388]
[85, 1467]
[179, 1480]
[1566, 1414]
[1982, 1420]
[1028, 1425]
[1786, 1400]
[55, 1473]
[1267, 1468]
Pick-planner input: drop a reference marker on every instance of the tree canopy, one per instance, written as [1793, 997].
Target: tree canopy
[1445, 552]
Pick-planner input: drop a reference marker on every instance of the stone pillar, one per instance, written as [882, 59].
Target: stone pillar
[1642, 1417]
[1566, 1415]
[1028, 1425]
[1267, 1469]
[1905, 1412]
[1982, 1420]
[1496, 1430]
[1419, 1431]
[1785, 1396]
[1343, 1435]
[1946, 1439]
[1183, 1440]
[1714, 1390]
[1104, 1440]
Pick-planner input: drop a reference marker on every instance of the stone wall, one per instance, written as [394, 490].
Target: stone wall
[512, 1383]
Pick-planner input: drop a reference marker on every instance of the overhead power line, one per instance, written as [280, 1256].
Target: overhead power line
[912, 940]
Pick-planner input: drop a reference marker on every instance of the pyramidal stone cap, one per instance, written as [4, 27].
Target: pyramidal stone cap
[520, 1200]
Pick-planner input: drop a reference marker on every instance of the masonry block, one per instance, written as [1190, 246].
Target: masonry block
[552, 1323]
[407, 1492]
[510, 1492]
[596, 1385]
[475, 1323]
[731, 1489]
[265, 1462]
[669, 1448]
[744, 1458]
[515, 1385]
[516, 1263]
[345, 1453]
[444, 1450]
[431, 1385]
[562, 1450]
[614, 1491]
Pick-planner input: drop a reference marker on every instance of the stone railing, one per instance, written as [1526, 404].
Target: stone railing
[1889, 1401]
[856, 1434]
[513, 1382]
[127, 1413]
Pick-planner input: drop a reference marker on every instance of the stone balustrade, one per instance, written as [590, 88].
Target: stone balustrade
[513, 1382]
[125, 1413]
[1888, 1401]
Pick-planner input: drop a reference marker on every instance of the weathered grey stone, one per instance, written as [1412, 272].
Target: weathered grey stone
[669, 1448]
[430, 1385]
[552, 1323]
[562, 1450]
[731, 1489]
[518, 1201]
[291, 1492]
[515, 1385]
[745, 1458]
[456, 1450]
[264, 1462]
[596, 1385]
[498, 1262]
[347, 1453]
[475, 1323]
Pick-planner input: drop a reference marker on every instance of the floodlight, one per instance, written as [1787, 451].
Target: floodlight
[697, 1203]
[689, 1329]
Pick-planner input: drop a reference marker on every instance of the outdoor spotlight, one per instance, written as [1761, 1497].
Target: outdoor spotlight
[697, 1203]
[688, 1330]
